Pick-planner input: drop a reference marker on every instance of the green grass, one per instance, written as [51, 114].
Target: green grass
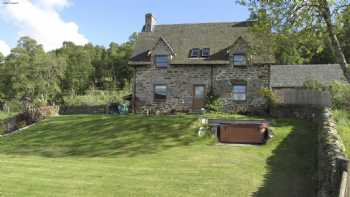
[343, 126]
[96, 97]
[153, 156]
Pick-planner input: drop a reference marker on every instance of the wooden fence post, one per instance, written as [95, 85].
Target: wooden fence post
[341, 177]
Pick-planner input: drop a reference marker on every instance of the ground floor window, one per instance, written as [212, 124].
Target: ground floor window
[160, 92]
[240, 92]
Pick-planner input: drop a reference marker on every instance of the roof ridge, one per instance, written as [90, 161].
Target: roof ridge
[305, 64]
[205, 23]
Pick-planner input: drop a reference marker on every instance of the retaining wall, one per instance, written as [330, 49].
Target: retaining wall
[331, 156]
[70, 110]
[332, 161]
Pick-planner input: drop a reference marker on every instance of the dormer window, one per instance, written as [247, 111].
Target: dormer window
[239, 59]
[205, 52]
[161, 61]
[195, 52]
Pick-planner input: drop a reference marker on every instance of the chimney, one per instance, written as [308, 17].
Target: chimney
[149, 23]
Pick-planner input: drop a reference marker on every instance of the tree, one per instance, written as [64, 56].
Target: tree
[2, 69]
[30, 72]
[306, 16]
[344, 29]
[79, 70]
[2, 58]
[117, 61]
[97, 55]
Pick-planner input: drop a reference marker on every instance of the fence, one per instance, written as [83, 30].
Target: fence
[303, 97]
[343, 177]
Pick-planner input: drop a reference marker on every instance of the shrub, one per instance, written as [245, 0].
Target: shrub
[2, 130]
[271, 97]
[340, 93]
[95, 97]
[214, 103]
[314, 85]
[40, 102]
[13, 106]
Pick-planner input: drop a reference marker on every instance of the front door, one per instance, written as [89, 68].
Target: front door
[198, 97]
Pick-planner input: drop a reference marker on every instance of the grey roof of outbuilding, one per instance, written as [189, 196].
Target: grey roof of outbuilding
[184, 37]
[296, 75]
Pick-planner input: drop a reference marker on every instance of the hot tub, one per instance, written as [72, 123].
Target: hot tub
[241, 131]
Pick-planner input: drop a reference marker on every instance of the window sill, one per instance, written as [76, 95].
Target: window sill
[199, 58]
[162, 67]
[159, 100]
[240, 65]
[240, 101]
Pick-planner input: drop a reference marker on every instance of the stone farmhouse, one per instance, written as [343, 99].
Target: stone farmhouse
[177, 66]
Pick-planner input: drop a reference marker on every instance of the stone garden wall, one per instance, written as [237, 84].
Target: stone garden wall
[27, 118]
[71, 110]
[8, 125]
[332, 159]
[331, 156]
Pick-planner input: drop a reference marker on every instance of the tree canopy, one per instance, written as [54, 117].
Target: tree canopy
[308, 27]
[30, 72]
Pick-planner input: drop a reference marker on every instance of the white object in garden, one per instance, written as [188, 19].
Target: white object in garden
[201, 132]
[204, 121]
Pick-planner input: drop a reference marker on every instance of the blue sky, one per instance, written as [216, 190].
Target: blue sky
[103, 21]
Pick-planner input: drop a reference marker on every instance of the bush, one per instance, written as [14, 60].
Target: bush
[13, 106]
[2, 130]
[214, 103]
[340, 93]
[314, 85]
[95, 97]
[271, 97]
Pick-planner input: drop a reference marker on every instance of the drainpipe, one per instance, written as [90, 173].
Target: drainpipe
[211, 78]
[134, 92]
[269, 74]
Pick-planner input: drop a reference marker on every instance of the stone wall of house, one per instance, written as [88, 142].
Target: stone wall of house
[179, 81]
[181, 78]
[256, 77]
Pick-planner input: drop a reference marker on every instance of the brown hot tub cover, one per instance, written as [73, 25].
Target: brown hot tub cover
[241, 131]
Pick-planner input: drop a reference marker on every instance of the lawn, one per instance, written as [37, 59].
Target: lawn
[106, 156]
[343, 126]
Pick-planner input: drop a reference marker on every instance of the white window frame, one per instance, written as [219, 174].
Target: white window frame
[163, 64]
[241, 62]
[239, 94]
[198, 50]
[207, 51]
[154, 93]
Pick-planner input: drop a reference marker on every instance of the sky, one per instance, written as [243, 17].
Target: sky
[101, 22]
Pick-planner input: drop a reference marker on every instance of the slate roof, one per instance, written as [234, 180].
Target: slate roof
[184, 37]
[296, 75]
